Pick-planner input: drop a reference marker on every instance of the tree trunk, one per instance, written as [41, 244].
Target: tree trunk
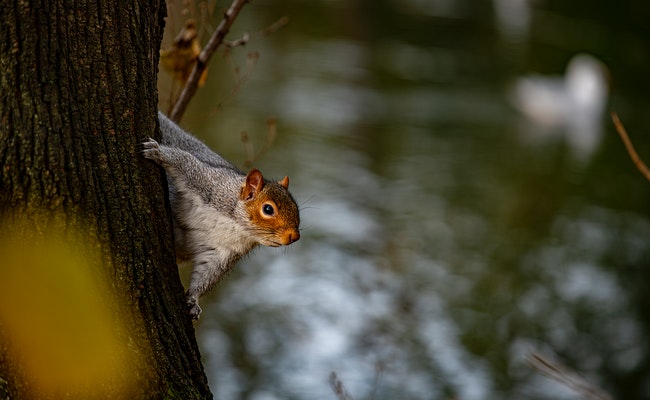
[91, 304]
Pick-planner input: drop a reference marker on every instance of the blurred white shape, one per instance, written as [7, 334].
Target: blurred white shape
[574, 103]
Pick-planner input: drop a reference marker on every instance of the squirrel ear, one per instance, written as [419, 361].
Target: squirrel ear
[284, 182]
[254, 184]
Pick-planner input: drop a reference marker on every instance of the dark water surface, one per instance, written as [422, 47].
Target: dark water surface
[456, 217]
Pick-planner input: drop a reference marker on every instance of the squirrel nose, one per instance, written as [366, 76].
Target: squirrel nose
[292, 236]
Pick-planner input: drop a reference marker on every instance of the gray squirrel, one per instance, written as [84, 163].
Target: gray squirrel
[219, 213]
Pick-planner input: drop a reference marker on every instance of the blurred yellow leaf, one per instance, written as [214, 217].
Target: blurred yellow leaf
[59, 321]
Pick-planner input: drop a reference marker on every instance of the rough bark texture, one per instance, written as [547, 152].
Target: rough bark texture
[77, 96]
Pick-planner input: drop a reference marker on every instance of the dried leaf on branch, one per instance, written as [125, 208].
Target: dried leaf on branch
[180, 58]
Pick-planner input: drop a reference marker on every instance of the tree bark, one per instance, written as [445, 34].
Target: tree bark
[93, 306]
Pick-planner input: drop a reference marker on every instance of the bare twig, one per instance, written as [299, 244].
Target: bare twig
[630, 148]
[202, 60]
[249, 148]
[337, 387]
[239, 42]
[241, 76]
[276, 26]
[379, 369]
[567, 377]
[251, 155]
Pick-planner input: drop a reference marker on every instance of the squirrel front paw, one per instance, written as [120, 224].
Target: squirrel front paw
[151, 150]
[193, 306]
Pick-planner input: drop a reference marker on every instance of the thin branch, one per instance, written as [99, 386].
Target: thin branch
[241, 78]
[567, 377]
[251, 155]
[239, 42]
[249, 148]
[630, 148]
[202, 60]
[338, 388]
[379, 369]
[276, 26]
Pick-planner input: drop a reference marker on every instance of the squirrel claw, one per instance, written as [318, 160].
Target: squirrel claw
[151, 149]
[150, 144]
[194, 308]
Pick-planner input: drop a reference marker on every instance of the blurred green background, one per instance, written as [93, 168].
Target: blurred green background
[465, 199]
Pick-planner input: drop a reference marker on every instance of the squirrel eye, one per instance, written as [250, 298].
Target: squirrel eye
[268, 209]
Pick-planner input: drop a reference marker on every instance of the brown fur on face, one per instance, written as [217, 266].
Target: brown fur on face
[271, 209]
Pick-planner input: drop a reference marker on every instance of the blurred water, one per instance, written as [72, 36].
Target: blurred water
[446, 235]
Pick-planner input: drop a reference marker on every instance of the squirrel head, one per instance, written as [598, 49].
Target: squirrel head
[271, 209]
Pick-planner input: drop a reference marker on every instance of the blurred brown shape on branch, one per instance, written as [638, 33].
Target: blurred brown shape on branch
[180, 58]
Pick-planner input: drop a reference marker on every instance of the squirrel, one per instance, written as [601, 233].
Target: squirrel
[219, 213]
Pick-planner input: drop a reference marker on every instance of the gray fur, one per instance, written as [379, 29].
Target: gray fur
[175, 136]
